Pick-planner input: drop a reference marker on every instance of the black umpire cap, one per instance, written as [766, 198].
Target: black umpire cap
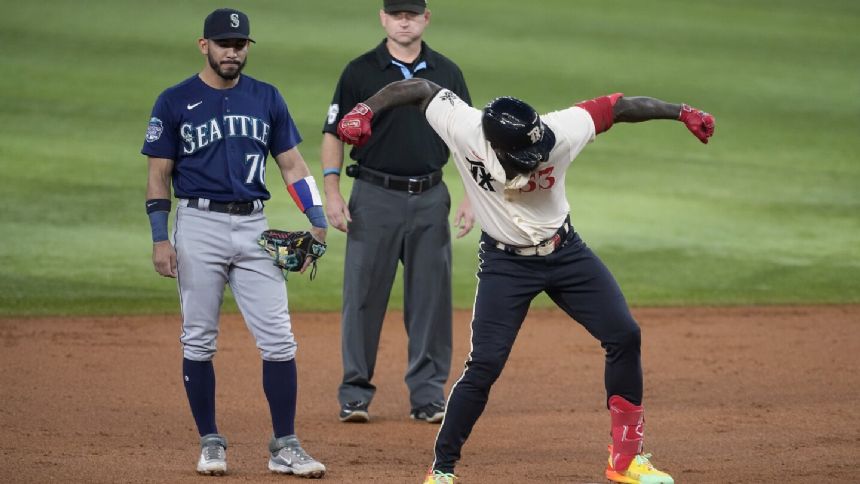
[415, 6]
[227, 23]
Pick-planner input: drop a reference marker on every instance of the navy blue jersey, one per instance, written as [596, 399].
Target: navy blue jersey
[219, 139]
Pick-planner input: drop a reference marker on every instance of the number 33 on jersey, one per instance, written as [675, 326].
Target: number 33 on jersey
[520, 215]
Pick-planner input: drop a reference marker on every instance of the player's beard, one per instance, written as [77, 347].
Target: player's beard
[228, 76]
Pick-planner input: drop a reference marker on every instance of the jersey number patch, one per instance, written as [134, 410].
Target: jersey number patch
[543, 180]
[257, 166]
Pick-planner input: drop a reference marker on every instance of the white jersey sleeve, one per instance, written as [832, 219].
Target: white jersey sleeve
[457, 123]
[523, 216]
[573, 128]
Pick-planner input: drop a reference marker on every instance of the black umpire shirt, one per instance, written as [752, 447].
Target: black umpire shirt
[403, 143]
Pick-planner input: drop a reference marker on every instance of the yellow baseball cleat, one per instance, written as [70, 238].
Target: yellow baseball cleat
[439, 477]
[640, 471]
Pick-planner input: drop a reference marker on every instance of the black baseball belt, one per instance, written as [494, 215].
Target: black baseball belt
[547, 247]
[233, 208]
[409, 184]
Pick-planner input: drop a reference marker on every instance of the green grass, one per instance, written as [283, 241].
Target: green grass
[768, 213]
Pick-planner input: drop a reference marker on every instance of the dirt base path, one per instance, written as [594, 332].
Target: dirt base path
[741, 395]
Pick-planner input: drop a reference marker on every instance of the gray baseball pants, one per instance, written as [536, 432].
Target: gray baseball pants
[214, 249]
[390, 226]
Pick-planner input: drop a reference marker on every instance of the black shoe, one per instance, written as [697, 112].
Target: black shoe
[354, 412]
[433, 412]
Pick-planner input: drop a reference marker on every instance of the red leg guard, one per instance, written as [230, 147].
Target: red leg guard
[627, 431]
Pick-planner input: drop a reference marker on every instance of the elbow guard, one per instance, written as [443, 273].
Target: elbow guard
[600, 109]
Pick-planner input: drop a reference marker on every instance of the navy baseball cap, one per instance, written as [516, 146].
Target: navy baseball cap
[227, 23]
[415, 6]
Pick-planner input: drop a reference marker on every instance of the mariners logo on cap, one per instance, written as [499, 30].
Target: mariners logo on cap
[227, 23]
[154, 130]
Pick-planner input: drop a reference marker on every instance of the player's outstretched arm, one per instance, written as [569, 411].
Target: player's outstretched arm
[354, 128]
[415, 91]
[636, 109]
[639, 108]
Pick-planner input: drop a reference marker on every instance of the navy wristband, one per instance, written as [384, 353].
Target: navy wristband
[158, 224]
[317, 217]
[157, 210]
[157, 205]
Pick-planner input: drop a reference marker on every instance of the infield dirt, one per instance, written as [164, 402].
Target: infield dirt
[748, 394]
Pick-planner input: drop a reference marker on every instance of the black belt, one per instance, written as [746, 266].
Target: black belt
[410, 184]
[233, 208]
[545, 248]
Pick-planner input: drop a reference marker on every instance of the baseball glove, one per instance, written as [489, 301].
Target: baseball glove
[290, 249]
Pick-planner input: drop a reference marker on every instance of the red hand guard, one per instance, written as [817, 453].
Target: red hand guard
[700, 123]
[354, 128]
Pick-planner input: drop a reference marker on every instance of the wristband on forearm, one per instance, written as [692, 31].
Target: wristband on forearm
[158, 209]
[331, 171]
[307, 198]
[316, 215]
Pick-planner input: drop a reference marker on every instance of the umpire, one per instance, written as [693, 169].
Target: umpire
[397, 211]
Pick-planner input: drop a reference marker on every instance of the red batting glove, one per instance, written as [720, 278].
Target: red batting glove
[700, 123]
[354, 128]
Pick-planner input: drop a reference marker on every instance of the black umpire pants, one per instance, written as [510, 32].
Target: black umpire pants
[580, 284]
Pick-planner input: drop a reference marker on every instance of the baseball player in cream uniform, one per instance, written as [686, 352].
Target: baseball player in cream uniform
[513, 164]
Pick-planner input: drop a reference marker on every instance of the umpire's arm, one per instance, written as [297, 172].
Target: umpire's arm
[331, 156]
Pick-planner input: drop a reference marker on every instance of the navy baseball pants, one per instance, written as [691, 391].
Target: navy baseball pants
[580, 284]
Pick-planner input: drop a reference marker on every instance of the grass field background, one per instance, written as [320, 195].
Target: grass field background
[768, 212]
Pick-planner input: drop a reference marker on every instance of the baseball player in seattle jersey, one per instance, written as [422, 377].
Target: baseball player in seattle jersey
[210, 135]
[513, 164]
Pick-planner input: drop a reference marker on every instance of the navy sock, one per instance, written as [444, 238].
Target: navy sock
[280, 386]
[199, 378]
